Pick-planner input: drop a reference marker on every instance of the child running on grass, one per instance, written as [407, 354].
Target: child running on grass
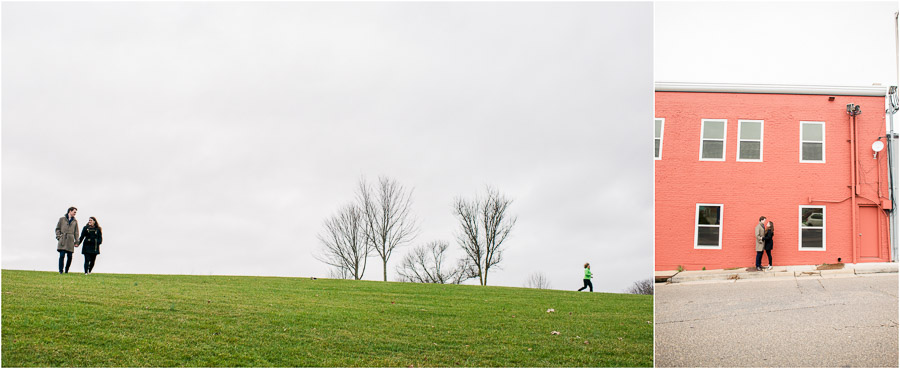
[587, 277]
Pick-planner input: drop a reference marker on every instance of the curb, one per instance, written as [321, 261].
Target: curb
[878, 269]
[796, 271]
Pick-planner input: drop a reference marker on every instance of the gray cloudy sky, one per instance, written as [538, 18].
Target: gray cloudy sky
[215, 138]
[807, 43]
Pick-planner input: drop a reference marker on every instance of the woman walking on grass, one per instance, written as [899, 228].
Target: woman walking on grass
[587, 277]
[66, 237]
[770, 232]
[92, 236]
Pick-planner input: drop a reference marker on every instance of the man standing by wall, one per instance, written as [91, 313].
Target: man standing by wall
[760, 234]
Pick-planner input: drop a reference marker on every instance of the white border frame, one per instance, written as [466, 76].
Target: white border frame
[800, 228]
[724, 138]
[662, 131]
[697, 226]
[802, 122]
[762, 136]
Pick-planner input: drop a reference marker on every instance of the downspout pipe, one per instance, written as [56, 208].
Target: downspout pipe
[892, 107]
[853, 110]
[891, 173]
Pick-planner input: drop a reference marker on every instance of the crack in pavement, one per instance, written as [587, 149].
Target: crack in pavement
[882, 292]
[892, 324]
[800, 288]
[745, 314]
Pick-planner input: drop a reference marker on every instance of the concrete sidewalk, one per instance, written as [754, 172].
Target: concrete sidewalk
[794, 322]
[790, 271]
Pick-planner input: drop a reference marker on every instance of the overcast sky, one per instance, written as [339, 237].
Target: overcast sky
[808, 43]
[216, 138]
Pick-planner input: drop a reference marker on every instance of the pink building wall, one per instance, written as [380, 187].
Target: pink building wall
[775, 187]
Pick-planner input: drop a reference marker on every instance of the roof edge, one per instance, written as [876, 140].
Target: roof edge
[772, 89]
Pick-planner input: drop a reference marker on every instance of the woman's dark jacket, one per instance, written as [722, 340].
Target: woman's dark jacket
[91, 238]
[768, 239]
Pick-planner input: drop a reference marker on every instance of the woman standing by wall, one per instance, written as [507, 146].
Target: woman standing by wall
[770, 232]
[92, 236]
[66, 236]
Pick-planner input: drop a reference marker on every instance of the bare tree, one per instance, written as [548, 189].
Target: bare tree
[387, 219]
[344, 243]
[484, 226]
[338, 273]
[641, 287]
[427, 264]
[537, 280]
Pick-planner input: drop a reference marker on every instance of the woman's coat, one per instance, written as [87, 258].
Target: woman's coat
[92, 238]
[66, 234]
[768, 239]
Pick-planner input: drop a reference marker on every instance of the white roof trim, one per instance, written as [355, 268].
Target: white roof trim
[772, 89]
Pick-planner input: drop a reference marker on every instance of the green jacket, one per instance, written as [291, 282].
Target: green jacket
[587, 273]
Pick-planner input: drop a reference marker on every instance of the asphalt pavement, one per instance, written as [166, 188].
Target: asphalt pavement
[808, 321]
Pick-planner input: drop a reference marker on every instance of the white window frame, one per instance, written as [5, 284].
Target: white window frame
[802, 122]
[724, 138]
[697, 226]
[800, 228]
[760, 140]
[662, 128]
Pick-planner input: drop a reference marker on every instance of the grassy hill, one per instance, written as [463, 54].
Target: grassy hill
[116, 320]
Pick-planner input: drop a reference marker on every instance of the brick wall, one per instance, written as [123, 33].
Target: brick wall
[775, 187]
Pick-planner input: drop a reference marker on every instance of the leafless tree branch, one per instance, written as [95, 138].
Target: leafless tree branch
[537, 280]
[344, 245]
[426, 264]
[484, 226]
[641, 287]
[388, 223]
[339, 273]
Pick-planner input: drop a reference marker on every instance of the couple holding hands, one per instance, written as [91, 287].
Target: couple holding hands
[68, 239]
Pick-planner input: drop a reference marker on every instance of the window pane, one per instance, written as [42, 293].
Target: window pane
[812, 151]
[812, 132]
[713, 149]
[751, 130]
[658, 131]
[708, 215]
[749, 150]
[714, 129]
[707, 236]
[812, 238]
[812, 217]
[656, 153]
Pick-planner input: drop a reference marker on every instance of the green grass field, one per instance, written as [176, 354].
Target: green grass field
[124, 320]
